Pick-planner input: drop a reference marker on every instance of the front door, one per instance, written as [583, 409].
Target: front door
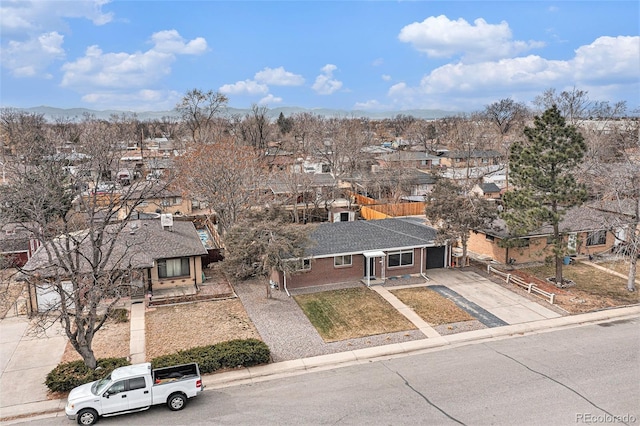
[372, 267]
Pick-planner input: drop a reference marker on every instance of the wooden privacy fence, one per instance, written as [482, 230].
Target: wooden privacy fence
[383, 211]
[530, 287]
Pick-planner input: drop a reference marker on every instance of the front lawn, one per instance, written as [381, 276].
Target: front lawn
[594, 289]
[351, 313]
[431, 307]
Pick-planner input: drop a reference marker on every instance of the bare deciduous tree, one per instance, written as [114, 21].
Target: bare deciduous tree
[198, 110]
[69, 204]
[228, 177]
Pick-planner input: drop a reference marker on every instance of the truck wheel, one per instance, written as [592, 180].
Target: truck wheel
[176, 401]
[88, 416]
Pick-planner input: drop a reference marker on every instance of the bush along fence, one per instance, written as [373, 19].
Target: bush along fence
[530, 287]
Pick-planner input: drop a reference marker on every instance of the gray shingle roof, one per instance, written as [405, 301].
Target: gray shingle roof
[488, 187]
[576, 219]
[138, 245]
[360, 236]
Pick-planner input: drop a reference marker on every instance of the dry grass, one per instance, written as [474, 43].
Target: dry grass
[173, 328]
[431, 307]
[594, 289]
[619, 265]
[351, 313]
[111, 341]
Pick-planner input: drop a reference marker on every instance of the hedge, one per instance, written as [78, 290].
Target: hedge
[69, 375]
[231, 354]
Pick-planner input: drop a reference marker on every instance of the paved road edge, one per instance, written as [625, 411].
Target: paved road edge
[16, 414]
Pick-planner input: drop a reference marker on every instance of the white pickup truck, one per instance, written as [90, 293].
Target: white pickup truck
[134, 388]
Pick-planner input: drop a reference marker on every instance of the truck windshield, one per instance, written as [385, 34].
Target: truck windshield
[99, 386]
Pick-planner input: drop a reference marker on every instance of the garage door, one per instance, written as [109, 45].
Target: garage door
[48, 298]
[435, 257]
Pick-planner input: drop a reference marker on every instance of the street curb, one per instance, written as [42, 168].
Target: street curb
[249, 375]
[359, 356]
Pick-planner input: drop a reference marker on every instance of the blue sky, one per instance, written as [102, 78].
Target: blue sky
[379, 56]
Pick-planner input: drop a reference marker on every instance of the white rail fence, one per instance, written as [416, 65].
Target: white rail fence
[530, 287]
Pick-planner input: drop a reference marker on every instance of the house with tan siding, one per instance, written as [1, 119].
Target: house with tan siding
[585, 231]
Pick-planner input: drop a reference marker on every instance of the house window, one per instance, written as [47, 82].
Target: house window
[342, 260]
[490, 237]
[169, 268]
[303, 264]
[400, 258]
[171, 201]
[597, 238]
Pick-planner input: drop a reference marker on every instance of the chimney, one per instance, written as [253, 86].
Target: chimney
[166, 220]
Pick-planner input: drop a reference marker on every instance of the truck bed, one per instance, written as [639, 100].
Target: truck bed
[175, 373]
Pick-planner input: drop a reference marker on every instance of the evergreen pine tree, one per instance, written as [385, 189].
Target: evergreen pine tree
[543, 171]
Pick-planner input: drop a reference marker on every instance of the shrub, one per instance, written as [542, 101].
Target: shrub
[119, 315]
[67, 376]
[231, 354]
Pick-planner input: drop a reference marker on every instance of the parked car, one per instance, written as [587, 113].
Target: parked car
[134, 388]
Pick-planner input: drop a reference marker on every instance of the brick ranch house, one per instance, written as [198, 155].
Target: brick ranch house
[586, 232]
[158, 258]
[369, 251]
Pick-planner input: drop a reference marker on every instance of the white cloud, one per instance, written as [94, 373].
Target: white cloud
[26, 17]
[615, 58]
[249, 87]
[377, 62]
[29, 58]
[98, 70]
[278, 77]
[369, 105]
[269, 100]
[140, 100]
[386, 77]
[33, 32]
[440, 37]
[325, 84]
[170, 41]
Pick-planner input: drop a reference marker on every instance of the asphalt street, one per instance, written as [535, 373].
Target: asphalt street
[582, 375]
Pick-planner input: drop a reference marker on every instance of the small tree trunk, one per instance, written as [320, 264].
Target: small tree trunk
[559, 279]
[88, 357]
[631, 281]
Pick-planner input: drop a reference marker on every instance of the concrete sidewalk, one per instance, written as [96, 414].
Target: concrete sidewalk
[55, 408]
[25, 360]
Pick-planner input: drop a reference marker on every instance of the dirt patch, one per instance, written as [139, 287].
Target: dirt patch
[173, 328]
[111, 341]
[10, 291]
[594, 289]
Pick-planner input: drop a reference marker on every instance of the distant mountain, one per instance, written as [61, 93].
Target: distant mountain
[52, 113]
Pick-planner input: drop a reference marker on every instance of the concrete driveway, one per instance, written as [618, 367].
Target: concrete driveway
[25, 361]
[508, 306]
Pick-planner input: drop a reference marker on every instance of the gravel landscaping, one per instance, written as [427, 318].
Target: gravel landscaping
[286, 330]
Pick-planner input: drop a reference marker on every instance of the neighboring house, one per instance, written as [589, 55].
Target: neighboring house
[157, 257]
[409, 159]
[17, 245]
[371, 251]
[586, 233]
[472, 158]
[487, 190]
[162, 201]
